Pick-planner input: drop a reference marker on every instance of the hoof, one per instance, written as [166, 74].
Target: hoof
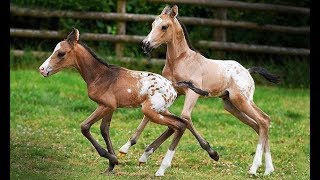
[108, 171]
[267, 172]
[252, 172]
[121, 154]
[141, 163]
[159, 173]
[214, 155]
[114, 160]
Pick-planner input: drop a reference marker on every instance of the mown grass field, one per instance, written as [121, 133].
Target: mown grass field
[46, 141]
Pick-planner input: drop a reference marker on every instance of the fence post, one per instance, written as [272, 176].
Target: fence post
[121, 28]
[220, 32]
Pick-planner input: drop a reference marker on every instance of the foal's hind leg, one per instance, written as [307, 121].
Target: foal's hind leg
[269, 166]
[189, 103]
[248, 107]
[179, 125]
[240, 115]
[154, 145]
[134, 138]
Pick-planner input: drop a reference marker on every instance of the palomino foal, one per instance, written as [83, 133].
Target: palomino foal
[226, 79]
[113, 87]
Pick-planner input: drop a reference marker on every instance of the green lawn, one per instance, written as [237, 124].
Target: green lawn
[46, 141]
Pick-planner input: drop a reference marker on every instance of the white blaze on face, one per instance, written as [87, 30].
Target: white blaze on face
[155, 24]
[157, 21]
[45, 65]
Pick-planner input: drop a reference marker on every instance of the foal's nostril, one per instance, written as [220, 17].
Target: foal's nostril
[41, 69]
[145, 45]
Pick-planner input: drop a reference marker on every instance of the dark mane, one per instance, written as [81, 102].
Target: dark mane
[95, 56]
[186, 35]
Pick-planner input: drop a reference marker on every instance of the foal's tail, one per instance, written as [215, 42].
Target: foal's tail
[262, 71]
[189, 84]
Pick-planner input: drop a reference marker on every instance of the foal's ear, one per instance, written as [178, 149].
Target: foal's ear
[174, 11]
[73, 37]
[165, 10]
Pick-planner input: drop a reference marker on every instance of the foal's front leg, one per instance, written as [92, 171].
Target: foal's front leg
[189, 103]
[104, 129]
[100, 112]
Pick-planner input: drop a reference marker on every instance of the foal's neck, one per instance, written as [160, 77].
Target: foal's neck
[178, 46]
[89, 68]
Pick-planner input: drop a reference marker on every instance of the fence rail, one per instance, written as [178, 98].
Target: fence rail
[220, 22]
[254, 48]
[138, 39]
[241, 5]
[43, 13]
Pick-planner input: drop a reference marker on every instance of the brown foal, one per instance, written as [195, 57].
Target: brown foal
[226, 79]
[113, 87]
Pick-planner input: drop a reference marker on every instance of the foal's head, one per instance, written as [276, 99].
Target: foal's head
[162, 29]
[63, 55]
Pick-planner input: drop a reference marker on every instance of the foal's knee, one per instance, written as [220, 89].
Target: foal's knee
[85, 128]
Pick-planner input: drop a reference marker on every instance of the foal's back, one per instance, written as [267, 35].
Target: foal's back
[215, 76]
[133, 88]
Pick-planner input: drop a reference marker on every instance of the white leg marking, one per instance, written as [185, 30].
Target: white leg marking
[269, 165]
[125, 147]
[145, 156]
[257, 160]
[166, 162]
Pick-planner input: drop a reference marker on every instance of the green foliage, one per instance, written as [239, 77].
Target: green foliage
[46, 140]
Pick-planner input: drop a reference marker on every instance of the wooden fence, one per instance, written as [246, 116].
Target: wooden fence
[220, 23]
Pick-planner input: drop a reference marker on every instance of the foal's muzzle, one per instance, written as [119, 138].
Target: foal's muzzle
[146, 47]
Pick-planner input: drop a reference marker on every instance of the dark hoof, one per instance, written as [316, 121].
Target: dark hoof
[214, 155]
[113, 159]
[107, 172]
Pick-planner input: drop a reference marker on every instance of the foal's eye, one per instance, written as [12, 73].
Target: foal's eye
[61, 54]
[163, 28]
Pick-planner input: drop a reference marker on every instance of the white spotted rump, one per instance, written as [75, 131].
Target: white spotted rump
[240, 76]
[159, 90]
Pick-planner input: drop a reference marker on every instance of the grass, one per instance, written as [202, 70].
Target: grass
[46, 141]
